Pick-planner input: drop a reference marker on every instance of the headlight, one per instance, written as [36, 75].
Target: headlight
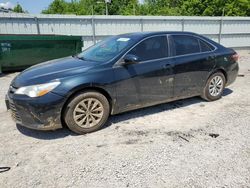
[37, 90]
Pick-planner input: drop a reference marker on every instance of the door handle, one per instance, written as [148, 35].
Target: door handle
[167, 66]
[211, 57]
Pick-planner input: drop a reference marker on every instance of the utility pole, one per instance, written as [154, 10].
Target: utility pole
[221, 24]
[107, 12]
[106, 2]
[92, 10]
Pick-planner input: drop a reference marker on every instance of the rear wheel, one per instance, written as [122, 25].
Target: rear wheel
[87, 112]
[214, 87]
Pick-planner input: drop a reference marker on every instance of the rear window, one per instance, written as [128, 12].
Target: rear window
[205, 47]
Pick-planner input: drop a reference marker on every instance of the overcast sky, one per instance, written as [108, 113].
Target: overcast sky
[32, 6]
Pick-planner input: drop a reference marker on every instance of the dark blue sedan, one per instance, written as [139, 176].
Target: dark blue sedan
[119, 74]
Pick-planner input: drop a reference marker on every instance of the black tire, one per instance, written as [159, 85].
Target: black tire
[206, 94]
[68, 114]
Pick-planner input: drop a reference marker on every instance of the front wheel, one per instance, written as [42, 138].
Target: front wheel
[214, 87]
[87, 112]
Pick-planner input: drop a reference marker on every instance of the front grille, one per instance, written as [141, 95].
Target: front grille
[14, 113]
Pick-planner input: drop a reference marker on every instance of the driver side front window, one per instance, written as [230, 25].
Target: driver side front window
[152, 48]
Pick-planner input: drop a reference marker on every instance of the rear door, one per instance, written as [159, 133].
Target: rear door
[151, 79]
[194, 60]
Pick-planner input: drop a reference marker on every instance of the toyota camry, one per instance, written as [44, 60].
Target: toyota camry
[119, 74]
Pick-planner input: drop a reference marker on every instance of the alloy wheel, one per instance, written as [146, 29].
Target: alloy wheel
[216, 86]
[88, 113]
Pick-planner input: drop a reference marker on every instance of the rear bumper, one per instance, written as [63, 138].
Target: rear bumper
[43, 113]
[232, 73]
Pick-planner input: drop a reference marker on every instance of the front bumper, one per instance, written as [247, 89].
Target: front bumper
[41, 113]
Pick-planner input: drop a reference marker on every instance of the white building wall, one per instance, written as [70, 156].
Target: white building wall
[229, 31]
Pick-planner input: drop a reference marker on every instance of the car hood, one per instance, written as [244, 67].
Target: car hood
[51, 70]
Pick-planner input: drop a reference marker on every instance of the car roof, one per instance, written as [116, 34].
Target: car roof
[142, 35]
[138, 35]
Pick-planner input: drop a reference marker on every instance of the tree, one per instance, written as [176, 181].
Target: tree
[216, 7]
[152, 7]
[125, 7]
[56, 7]
[237, 8]
[161, 7]
[86, 7]
[18, 8]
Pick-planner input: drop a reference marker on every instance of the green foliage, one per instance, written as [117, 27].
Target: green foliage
[152, 7]
[125, 7]
[161, 7]
[216, 7]
[18, 9]
[87, 7]
[57, 7]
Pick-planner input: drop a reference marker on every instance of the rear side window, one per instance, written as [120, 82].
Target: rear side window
[184, 44]
[204, 46]
[152, 48]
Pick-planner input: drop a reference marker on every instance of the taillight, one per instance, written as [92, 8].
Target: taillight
[235, 57]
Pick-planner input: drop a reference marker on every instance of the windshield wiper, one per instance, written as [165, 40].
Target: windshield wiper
[76, 56]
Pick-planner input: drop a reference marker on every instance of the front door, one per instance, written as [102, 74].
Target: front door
[150, 80]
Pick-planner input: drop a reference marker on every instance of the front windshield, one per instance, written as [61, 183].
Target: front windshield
[106, 49]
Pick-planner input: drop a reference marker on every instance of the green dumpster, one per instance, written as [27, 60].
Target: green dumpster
[18, 52]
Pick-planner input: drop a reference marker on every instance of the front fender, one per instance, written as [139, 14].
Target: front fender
[102, 81]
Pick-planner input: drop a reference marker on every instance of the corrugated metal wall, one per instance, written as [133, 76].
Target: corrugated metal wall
[230, 31]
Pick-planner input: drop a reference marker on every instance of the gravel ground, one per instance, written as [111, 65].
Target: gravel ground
[170, 145]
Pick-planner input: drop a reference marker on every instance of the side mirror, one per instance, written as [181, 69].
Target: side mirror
[130, 59]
